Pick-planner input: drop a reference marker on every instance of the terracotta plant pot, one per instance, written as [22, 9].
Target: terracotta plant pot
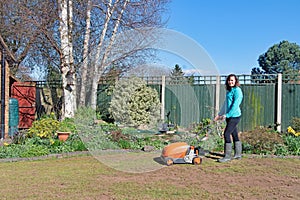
[63, 136]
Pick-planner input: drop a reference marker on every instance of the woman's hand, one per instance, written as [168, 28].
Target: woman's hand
[219, 117]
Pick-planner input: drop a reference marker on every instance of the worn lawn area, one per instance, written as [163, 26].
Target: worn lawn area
[84, 177]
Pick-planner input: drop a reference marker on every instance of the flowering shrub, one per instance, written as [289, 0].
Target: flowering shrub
[44, 128]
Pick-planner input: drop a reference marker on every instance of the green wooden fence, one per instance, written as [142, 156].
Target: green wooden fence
[191, 99]
[188, 102]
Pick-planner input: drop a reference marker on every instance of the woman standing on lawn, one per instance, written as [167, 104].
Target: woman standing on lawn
[232, 113]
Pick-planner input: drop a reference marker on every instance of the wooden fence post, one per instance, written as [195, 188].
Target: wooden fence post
[217, 95]
[279, 102]
[163, 86]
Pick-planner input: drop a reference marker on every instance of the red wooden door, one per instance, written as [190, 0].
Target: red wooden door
[25, 93]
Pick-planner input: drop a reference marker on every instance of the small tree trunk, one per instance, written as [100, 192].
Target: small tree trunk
[85, 56]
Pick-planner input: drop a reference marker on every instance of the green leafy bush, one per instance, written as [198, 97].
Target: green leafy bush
[94, 136]
[67, 125]
[73, 143]
[261, 140]
[36, 146]
[134, 104]
[11, 151]
[292, 144]
[31, 147]
[34, 150]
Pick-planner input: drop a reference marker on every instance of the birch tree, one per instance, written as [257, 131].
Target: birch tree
[66, 58]
[120, 15]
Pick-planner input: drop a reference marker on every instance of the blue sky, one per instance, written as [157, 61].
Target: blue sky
[235, 32]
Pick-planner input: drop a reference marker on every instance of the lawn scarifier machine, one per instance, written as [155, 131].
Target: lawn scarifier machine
[181, 152]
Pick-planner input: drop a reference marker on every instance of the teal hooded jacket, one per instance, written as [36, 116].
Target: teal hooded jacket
[231, 106]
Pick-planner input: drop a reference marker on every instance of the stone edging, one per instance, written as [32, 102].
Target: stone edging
[62, 155]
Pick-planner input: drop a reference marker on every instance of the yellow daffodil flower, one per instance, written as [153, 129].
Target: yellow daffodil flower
[291, 130]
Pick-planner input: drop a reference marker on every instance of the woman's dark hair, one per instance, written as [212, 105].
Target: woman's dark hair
[237, 83]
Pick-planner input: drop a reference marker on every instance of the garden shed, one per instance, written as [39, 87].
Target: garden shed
[7, 61]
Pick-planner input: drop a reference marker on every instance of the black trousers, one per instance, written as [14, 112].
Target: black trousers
[231, 129]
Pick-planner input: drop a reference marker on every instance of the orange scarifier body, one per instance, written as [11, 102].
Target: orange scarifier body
[180, 152]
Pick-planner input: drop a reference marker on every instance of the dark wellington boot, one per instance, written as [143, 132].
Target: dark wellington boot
[237, 150]
[227, 157]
